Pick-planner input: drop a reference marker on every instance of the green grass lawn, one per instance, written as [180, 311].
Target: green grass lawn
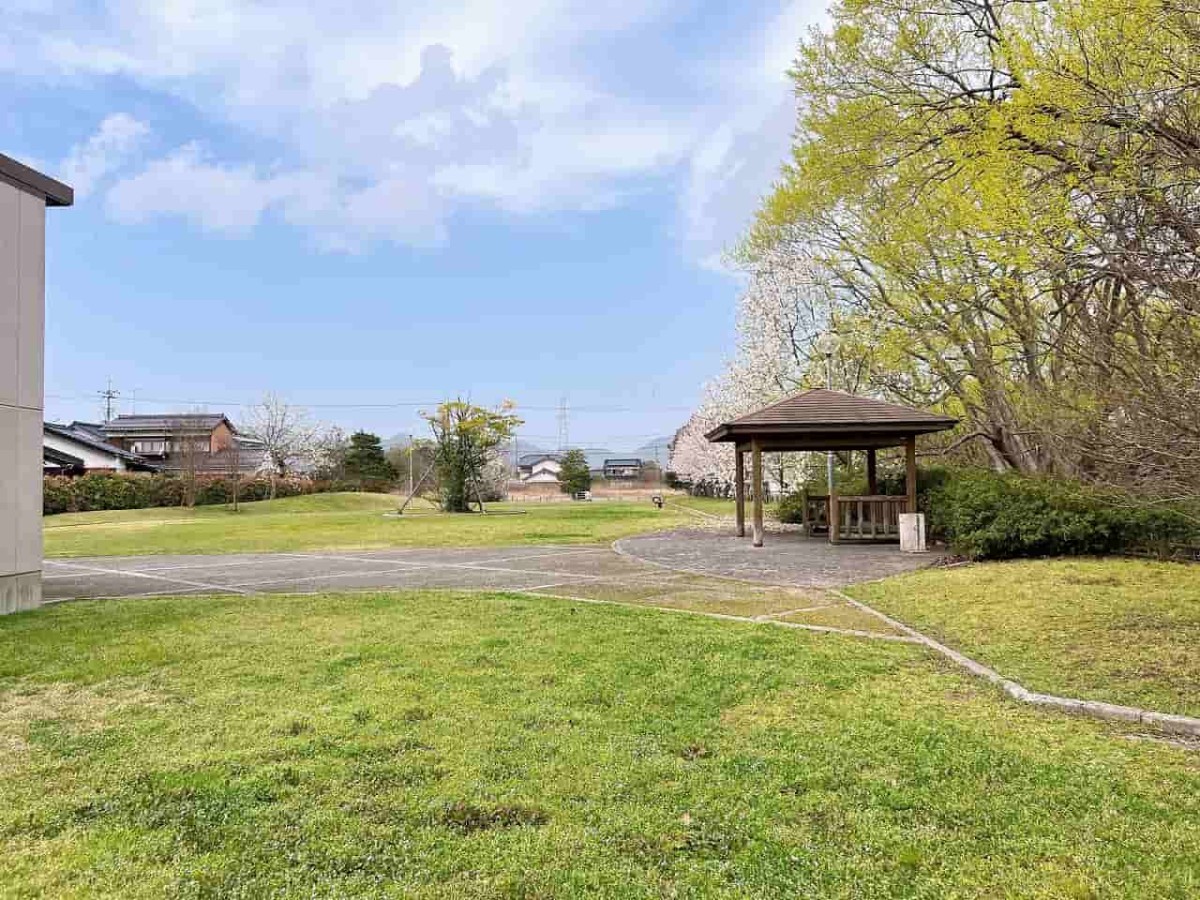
[1122, 631]
[342, 521]
[470, 745]
[711, 505]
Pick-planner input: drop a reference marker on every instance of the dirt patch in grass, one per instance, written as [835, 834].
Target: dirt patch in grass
[469, 817]
[27, 708]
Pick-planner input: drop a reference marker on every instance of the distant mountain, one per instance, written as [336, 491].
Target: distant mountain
[655, 449]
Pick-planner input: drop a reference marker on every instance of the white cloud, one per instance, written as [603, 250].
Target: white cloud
[231, 199]
[221, 198]
[740, 157]
[103, 153]
[380, 123]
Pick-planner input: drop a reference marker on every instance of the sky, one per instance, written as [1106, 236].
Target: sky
[368, 213]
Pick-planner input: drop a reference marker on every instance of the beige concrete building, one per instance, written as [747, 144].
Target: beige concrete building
[24, 196]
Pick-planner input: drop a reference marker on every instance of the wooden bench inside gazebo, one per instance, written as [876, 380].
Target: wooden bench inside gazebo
[826, 420]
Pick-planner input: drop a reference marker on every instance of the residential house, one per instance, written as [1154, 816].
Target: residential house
[204, 443]
[79, 448]
[622, 469]
[539, 468]
[164, 436]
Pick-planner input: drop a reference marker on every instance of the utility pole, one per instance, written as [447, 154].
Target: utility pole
[108, 395]
[411, 448]
[564, 437]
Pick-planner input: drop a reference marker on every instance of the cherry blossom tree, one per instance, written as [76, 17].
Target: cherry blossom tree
[783, 310]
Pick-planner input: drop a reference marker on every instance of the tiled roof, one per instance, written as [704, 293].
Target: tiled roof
[528, 459]
[60, 459]
[164, 423]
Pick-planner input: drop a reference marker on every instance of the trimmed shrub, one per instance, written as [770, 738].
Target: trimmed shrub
[790, 508]
[119, 490]
[984, 515]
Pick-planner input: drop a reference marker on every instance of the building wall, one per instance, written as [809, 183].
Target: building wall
[22, 311]
[221, 439]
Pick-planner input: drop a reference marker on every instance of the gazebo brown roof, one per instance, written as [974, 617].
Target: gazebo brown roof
[822, 419]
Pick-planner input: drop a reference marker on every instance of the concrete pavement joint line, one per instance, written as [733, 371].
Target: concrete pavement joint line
[788, 612]
[196, 584]
[212, 565]
[394, 562]
[825, 629]
[288, 580]
[418, 550]
[294, 580]
[480, 567]
[1175, 724]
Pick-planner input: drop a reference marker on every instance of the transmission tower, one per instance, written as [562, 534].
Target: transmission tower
[564, 416]
[108, 395]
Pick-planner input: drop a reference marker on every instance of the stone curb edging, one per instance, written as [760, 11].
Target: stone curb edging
[1167, 722]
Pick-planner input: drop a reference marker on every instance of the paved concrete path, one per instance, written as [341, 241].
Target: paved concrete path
[787, 558]
[495, 568]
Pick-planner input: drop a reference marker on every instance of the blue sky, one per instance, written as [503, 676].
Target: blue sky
[368, 213]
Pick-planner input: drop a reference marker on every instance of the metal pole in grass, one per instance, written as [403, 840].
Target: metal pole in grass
[828, 344]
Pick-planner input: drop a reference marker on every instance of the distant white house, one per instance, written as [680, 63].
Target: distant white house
[544, 471]
[539, 468]
[76, 449]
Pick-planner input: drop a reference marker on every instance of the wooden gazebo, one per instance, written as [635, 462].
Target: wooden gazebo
[822, 419]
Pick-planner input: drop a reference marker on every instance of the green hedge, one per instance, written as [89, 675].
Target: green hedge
[984, 515]
[790, 508]
[102, 491]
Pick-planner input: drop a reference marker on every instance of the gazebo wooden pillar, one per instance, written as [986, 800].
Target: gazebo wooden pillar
[739, 488]
[756, 471]
[831, 420]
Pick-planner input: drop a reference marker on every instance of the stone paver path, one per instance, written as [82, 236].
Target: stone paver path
[786, 558]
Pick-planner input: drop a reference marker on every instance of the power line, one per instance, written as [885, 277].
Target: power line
[403, 404]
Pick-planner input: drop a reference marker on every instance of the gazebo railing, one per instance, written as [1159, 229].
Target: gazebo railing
[871, 517]
[868, 518]
[816, 513]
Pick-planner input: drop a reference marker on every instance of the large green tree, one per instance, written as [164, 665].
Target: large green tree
[468, 438]
[364, 460]
[574, 472]
[1002, 201]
